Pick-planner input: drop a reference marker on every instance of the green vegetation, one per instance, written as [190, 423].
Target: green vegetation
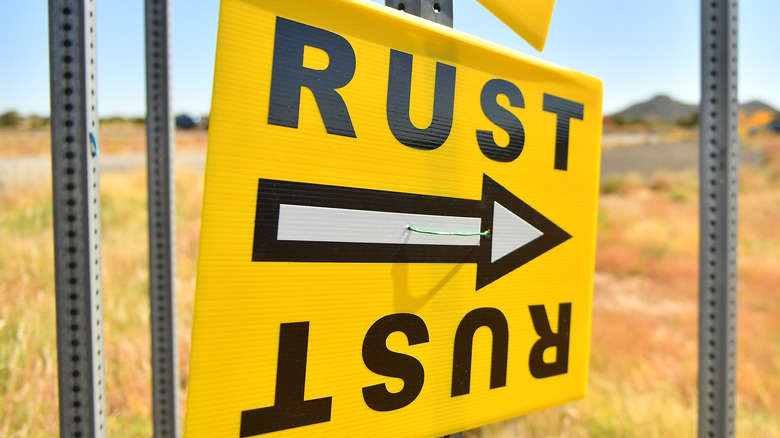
[621, 184]
[688, 121]
[11, 118]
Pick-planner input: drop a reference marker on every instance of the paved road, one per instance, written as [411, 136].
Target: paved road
[27, 170]
[648, 159]
[644, 160]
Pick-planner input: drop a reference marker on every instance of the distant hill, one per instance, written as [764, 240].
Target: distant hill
[660, 108]
[663, 108]
[751, 107]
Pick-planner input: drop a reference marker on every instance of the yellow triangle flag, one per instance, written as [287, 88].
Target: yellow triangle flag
[528, 18]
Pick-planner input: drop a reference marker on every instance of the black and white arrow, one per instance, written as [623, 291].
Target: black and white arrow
[301, 222]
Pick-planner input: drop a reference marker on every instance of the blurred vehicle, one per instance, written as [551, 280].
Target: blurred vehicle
[773, 126]
[187, 122]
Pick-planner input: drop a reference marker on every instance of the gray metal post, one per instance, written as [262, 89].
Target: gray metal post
[162, 271]
[719, 173]
[76, 205]
[439, 11]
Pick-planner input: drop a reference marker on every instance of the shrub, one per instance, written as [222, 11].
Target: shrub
[621, 184]
[11, 118]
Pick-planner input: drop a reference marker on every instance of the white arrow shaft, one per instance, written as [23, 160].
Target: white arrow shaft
[325, 224]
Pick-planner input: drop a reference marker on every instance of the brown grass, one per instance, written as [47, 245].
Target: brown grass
[645, 318]
[644, 336]
[113, 138]
[28, 369]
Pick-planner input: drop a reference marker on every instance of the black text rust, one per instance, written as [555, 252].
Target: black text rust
[289, 76]
[291, 410]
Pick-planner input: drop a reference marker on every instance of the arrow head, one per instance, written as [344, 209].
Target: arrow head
[519, 233]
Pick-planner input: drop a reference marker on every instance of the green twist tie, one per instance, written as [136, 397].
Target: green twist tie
[446, 233]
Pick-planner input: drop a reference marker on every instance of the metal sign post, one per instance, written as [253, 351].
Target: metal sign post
[439, 12]
[76, 209]
[162, 272]
[719, 174]
[76, 206]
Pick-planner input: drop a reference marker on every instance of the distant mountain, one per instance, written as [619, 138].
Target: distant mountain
[663, 108]
[751, 107]
[660, 108]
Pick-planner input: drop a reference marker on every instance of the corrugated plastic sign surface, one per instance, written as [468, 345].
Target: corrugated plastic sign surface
[528, 18]
[398, 228]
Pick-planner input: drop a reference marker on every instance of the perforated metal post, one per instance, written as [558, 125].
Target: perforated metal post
[439, 12]
[162, 271]
[76, 214]
[719, 173]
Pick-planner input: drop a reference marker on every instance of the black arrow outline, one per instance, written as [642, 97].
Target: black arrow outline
[272, 193]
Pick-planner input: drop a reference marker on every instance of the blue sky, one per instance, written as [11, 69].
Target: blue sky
[638, 48]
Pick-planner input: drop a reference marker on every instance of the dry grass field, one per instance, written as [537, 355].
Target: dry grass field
[644, 349]
[114, 137]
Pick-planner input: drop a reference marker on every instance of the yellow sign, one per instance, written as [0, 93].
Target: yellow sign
[528, 18]
[398, 228]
